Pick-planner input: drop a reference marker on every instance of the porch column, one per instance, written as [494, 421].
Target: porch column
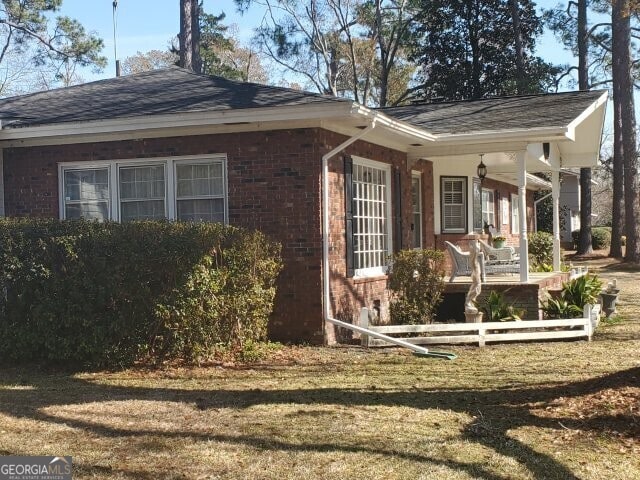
[555, 196]
[522, 216]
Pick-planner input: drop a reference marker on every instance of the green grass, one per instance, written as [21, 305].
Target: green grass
[561, 410]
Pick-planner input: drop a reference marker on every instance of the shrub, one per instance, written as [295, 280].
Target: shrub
[600, 238]
[540, 249]
[109, 294]
[496, 309]
[416, 280]
[574, 296]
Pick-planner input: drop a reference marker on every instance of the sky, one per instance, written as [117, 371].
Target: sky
[144, 25]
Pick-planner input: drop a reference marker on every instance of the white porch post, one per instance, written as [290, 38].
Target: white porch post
[555, 196]
[522, 216]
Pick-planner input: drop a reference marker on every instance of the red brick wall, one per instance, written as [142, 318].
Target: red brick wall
[274, 186]
[349, 295]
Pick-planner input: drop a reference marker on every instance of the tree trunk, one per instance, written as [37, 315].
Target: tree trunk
[186, 34]
[196, 59]
[521, 76]
[618, 168]
[584, 240]
[622, 66]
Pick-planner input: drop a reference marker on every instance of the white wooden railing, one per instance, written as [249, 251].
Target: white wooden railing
[481, 333]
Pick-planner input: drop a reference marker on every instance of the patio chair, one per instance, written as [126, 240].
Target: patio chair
[504, 254]
[461, 262]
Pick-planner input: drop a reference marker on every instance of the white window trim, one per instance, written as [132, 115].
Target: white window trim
[418, 176]
[466, 203]
[515, 223]
[170, 183]
[382, 270]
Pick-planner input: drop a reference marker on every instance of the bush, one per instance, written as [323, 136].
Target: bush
[574, 296]
[109, 294]
[540, 249]
[496, 309]
[416, 280]
[600, 238]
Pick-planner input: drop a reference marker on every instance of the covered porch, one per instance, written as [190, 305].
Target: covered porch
[473, 170]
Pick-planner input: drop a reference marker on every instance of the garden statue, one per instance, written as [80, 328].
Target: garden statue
[471, 311]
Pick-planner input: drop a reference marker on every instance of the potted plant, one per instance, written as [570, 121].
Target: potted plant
[499, 241]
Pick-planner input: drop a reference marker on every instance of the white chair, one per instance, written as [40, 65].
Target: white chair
[504, 254]
[461, 262]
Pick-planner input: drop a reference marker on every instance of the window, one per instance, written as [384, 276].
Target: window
[371, 228]
[453, 196]
[185, 188]
[416, 203]
[142, 193]
[515, 214]
[86, 193]
[200, 191]
[476, 193]
[488, 208]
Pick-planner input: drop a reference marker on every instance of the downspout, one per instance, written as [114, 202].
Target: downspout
[325, 218]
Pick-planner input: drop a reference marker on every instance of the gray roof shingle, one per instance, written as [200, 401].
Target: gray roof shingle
[503, 113]
[167, 91]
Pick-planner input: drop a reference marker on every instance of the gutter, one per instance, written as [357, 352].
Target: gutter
[326, 290]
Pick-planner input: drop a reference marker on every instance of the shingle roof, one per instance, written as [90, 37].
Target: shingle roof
[167, 91]
[503, 113]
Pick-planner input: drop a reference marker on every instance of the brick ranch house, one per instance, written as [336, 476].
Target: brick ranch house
[340, 185]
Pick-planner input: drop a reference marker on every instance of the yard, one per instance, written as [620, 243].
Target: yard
[561, 410]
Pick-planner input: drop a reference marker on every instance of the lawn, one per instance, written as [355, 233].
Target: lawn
[561, 410]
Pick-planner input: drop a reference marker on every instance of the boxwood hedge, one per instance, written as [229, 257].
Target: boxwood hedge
[110, 294]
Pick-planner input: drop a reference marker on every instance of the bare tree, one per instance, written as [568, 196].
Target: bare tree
[625, 122]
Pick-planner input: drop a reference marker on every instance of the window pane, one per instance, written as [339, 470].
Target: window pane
[209, 210]
[142, 210]
[90, 184]
[142, 182]
[90, 211]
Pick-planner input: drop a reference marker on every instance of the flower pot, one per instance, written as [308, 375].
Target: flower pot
[608, 301]
[498, 243]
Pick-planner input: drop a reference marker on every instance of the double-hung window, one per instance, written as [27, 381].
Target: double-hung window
[453, 198]
[371, 216]
[86, 193]
[200, 191]
[488, 207]
[142, 192]
[180, 188]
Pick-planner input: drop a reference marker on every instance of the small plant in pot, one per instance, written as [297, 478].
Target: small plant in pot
[499, 241]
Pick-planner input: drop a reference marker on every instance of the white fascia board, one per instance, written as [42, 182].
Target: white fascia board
[192, 119]
[393, 124]
[528, 134]
[602, 100]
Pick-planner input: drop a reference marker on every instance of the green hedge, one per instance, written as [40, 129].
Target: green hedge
[540, 250]
[109, 294]
[600, 237]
